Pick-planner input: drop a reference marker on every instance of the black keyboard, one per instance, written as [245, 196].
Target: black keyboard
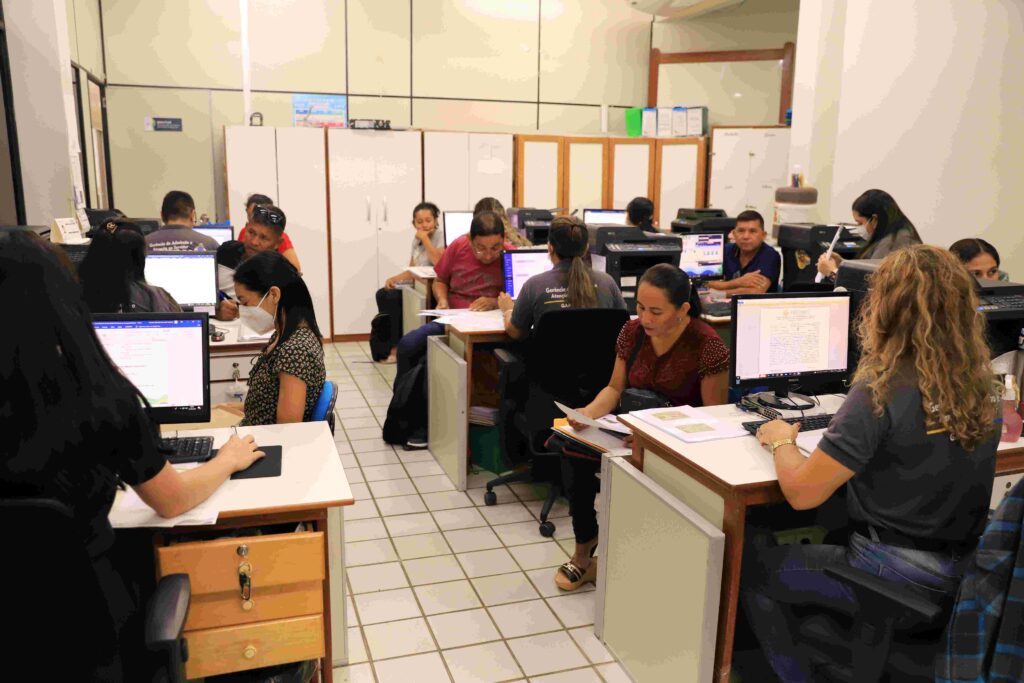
[187, 449]
[1003, 301]
[718, 309]
[807, 424]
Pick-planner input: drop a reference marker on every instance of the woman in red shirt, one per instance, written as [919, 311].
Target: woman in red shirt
[667, 349]
[285, 246]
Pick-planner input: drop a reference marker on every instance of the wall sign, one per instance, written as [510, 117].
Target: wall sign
[162, 124]
[320, 111]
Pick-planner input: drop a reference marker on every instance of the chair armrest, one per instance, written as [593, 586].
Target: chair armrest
[165, 622]
[511, 374]
[883, 591]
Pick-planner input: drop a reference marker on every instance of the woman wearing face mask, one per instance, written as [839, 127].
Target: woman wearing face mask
[887, 227]
[287, 377]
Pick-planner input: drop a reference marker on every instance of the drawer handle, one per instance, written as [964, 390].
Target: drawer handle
[249, 652]
[245, 581]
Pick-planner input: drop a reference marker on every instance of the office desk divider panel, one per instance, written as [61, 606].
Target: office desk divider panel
[414, 300]
[447, 383]
[645, 529]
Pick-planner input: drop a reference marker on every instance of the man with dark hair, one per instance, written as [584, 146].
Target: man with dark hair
[751, 266]
[266, 228]
[284, 245]
[178, 212]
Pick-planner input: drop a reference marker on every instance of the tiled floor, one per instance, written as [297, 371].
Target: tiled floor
[441, 587]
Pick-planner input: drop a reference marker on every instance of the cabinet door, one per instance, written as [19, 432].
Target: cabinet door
[730, 169]
[250, 158]
[632, 170]
[768, 169]
[353, 206]
[679, 177]
[399, 179]
[539, 171]
[586, 173]
[490, 167]
[446, 170]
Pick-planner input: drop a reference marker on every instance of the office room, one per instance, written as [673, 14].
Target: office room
[508, 340]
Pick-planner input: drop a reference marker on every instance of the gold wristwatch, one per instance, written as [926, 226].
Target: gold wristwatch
[780, 442]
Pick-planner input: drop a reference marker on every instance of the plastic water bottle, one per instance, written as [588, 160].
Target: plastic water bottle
[1012, 421]
[238, 389]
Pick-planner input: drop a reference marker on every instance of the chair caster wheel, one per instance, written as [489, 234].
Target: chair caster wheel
[547, 529]
[490, 498]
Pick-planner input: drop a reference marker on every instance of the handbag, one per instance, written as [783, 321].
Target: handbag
[634, 399]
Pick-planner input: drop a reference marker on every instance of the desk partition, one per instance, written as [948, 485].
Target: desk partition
[447, 381]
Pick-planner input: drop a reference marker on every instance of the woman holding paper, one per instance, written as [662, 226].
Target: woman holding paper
[914, 443]
[888, 230]
[668, 350]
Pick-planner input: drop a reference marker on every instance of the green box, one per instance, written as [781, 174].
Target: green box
[807, 535]
[634, 122]
[485, 448]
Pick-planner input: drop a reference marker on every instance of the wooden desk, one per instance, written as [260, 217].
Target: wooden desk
[277, 626]
[720, 480]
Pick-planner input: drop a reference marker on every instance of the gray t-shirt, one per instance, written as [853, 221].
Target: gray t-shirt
[921, 485]
[547, 292]
[174, 237]
[420, 257]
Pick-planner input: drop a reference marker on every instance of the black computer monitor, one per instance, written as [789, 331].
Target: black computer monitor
[98, 217]
[166, 356]
[788, 343]
[221, 233]
[522, 264]
[189, 276]
[703, 254]
[607, 216]
[456, 224]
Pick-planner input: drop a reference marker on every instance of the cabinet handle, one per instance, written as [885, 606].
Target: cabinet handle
[249, 652]
[385, 209]
[367, 208]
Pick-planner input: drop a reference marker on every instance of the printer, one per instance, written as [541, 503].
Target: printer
[702, 220]
[626, 252]
[535, 223]
[803, 243]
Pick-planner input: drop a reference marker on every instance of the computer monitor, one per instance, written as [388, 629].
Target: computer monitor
[456, 224]
[221, 234]
[522, 264]
[703, 254]
[789, 342]
[189, 276]
[606, 216]
[166, 356]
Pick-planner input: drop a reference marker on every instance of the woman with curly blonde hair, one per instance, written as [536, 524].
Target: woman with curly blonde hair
[914, 442]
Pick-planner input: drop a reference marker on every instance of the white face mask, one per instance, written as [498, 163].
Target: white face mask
[255, 318]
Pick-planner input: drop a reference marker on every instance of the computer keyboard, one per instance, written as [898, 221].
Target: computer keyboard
[1004, 301]
[807, 424]
[187, 449]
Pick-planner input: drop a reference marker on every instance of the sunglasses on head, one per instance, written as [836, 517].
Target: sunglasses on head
[272, 216]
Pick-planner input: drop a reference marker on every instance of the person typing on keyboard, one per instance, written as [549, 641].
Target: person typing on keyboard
[914, 443]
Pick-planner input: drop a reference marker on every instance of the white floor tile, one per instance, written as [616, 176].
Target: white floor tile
[363, 509]
[348, 461]
[613, 673]
[425, 545]
[575, 609]
[357, 673]
[504, 588]
[410, 525]
[463, 628]
[538, 555]
[360, 491]
[392, 487]
[350, 399]
[414, 456]
[425, 668]
[400, 505]
[341, 443]
[398, 638]
[356, 647]
[528, 491]
[350, 611]
[345, 413]
[369, 445]
[359, 422]
[376, 577]
[460, 518]
[545, 653]
[468, 540]
[447, 500]
[375, 608]
[433, 570]
[480, 478]
[382, 472]
[377, 458]
[524, 618]
[507, 513]
[587, 675]
[502, 492]
[519, 533]
[354, 475]
[487, 563]
[364, 529]
[438, 598]
[481, 663]
[563, 530]
[363, 433]
[544, 581]
[423, 469]
[593, 648]
[438, 482]
[369, 552]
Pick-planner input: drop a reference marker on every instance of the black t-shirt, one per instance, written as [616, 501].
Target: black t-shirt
[921, 485]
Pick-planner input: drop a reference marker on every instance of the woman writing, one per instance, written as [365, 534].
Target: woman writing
[669, 350]
[914, 443]
[887, 227]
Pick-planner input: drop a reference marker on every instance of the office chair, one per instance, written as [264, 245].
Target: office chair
[61, 624]
[324, 408]
[568, 358]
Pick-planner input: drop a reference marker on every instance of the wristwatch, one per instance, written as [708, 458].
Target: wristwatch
[780, 442]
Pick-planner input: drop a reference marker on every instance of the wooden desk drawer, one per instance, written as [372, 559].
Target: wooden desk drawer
[240, 648]
[212, 610]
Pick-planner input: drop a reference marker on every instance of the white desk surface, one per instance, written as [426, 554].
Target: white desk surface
[742, 460]
[231, 343]
[311, 476]
[479, 322]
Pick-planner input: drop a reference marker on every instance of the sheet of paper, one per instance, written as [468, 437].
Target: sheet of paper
[245, 334]
[690, 424]
[130, 512]
[793, 339]
[422, 271]
[435, 312]
[596, 439]
[600, 423]
[808, 441]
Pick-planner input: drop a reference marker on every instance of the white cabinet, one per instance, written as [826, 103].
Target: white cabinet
[251, 161]
[375, 180]
[632, 170]
[747, 164]
[539, 171]
[459, 169]
[586, 173]
[679, 177]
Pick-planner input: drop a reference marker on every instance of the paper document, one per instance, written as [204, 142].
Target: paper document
[594, 438]
[808, 441]
[130, 511]
[607, 422]
[828, 254]
[690, 424]
[422, 271]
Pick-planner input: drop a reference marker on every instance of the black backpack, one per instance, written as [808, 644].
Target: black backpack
[407, 413]
[380, 336]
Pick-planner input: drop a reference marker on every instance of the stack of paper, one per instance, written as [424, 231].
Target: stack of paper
[423, 271]
[245, 334]
[605, 434]
[483, 415]
[131, 512]
[690, 424]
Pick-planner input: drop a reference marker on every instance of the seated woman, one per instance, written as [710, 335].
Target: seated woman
[668, 349]
[284, 246]
[265, 233]
[640, 214]
[914, 443]
[73, 428]
[887, 227]
[570, 284]
[512, 236]
[288, 375]
[113, 274]
[427, 249]
[980, 257]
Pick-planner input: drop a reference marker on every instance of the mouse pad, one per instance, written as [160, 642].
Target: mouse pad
[267, 466]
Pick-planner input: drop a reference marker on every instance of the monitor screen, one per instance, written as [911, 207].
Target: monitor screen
[703, 254]
[166, 356]
[596, 216]
[190, 277]
[456, 224]
[787, 338]
[222, 234]
[522, 264]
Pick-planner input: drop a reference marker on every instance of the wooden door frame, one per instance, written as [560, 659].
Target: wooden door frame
[612, 144]
[700, 200]
[520, 141]
[787, 54]
[567, 143]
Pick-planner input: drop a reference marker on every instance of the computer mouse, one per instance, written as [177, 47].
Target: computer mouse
[217, 336]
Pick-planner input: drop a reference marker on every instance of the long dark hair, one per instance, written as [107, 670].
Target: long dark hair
[113, 262]
[61, 397]
[969, 249]
[568, 238]
[269, 269]
[676, 285]
[890, 217]
[640, 212]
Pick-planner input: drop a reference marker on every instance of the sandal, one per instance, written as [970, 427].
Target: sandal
[569, 577]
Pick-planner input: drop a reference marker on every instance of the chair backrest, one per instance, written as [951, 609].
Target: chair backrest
[324, 408]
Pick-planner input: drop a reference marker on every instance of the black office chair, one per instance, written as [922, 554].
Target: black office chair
[59, 622]
[568, 358]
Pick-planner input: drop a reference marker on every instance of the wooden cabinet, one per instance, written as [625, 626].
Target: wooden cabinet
[747, 165]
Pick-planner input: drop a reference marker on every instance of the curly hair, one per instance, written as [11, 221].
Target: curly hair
[922, 310]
